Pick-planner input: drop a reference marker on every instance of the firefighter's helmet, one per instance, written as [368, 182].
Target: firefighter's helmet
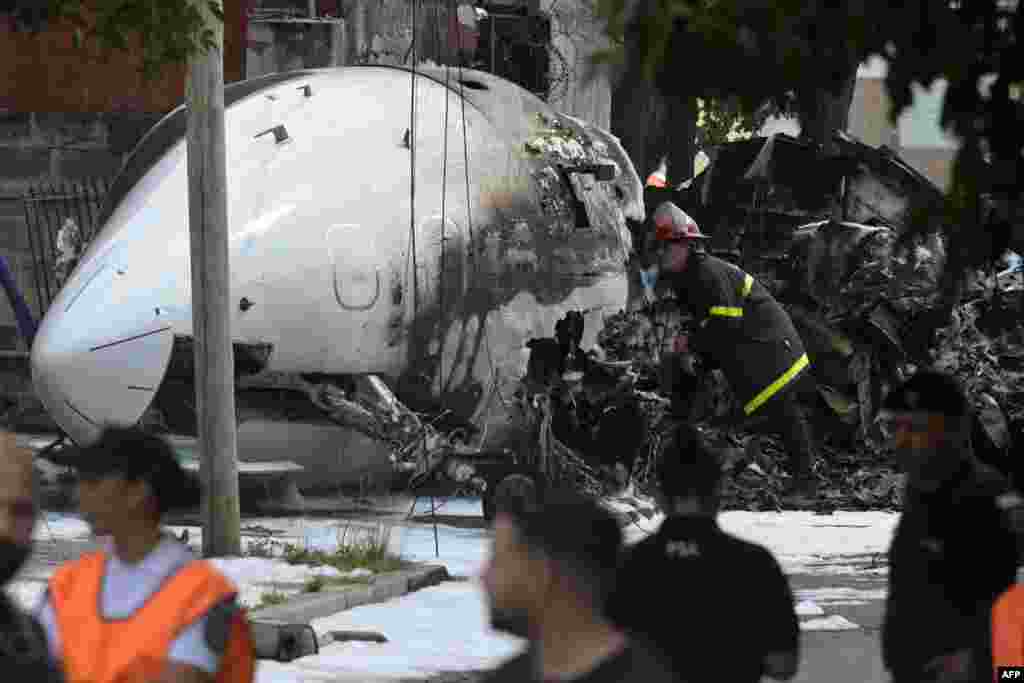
[672, 224]
[659, 177]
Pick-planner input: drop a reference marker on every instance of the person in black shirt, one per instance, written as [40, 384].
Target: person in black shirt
[550, 571]
[956, 547]
[719, 605]
[24, 654]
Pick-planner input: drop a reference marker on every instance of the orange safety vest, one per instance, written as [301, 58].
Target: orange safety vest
[1008, 628]
[134, 650]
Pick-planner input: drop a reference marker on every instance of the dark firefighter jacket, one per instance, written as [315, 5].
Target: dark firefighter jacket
[742, 328]
[954, 552]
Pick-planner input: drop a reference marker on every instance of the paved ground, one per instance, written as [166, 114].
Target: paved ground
[838, 656]
[843, 656]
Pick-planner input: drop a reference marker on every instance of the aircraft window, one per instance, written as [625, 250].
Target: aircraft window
[473, 85]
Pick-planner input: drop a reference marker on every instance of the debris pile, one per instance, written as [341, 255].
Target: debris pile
[984, 349]
[858, 475]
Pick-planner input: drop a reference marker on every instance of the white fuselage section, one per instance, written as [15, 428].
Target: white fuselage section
[324, 245]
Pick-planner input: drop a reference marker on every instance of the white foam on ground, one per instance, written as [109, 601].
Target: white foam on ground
[832, 595]
[54, 525]
[444, 627]
[832, 623]
[807, 608]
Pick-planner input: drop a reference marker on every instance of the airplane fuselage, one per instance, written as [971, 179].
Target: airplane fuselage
[421, 239]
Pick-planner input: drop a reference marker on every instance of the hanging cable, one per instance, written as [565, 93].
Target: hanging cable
[472, 251]
[465, 159]
[442, 384]
[412, 167]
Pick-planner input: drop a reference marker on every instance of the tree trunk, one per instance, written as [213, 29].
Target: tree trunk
[357, 37]
[822, 112]
[636, 119]
[652, 126]
[680, 129]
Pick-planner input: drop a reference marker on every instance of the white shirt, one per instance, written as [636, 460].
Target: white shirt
[127, 587]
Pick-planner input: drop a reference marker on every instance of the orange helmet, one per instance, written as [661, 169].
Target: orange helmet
[658, 177]
[672, 224]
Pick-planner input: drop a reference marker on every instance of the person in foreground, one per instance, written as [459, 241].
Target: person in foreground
[144, 609]
[23, 652]
[1008, 627]
[693, 569]
[955, 549]
[551, 568]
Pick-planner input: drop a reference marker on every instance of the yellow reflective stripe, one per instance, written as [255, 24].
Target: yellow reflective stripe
[727, 311]
[748, 282]
[773, 388]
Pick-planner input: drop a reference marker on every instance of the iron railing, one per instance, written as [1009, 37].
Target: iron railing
[48, 205]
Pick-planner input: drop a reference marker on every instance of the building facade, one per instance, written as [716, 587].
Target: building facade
[71, 114]
[917, 136]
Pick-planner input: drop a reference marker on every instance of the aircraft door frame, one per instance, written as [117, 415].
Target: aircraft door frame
[351, 264]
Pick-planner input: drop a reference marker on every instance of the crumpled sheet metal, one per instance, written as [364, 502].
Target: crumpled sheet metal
[628, 180]
[848, 267]
[568, 141]
[986, 367]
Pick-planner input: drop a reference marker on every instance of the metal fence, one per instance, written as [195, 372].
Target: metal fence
[48, 208]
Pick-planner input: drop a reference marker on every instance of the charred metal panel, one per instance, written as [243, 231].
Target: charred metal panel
[250, 359]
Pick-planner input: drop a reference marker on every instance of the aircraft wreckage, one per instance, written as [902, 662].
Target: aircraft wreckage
[827, 233]
[361, 299]
[394, 234]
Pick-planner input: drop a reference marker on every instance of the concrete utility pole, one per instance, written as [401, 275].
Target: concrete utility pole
[211, 305]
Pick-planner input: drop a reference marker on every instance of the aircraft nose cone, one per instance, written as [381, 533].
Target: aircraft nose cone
[98, 361]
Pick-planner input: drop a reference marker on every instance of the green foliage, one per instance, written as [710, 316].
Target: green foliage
[315, 583]
[170, 32]
[370, 553]
[274, 597]
[721, 120]
[319, 582]
[346, 558]
[755, 50]
[790, 51]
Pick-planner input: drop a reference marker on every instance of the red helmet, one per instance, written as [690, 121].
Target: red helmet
[672, 224]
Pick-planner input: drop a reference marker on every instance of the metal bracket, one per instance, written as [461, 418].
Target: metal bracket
[602, 172]
[280, 134]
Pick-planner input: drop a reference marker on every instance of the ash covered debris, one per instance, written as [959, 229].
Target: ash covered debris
[865, 298]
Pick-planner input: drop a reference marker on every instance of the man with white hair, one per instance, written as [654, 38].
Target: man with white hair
[743, 330]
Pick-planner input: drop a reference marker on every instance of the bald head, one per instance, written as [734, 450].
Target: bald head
[17, 491]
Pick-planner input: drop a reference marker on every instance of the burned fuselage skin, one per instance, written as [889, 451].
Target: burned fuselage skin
[422, 238]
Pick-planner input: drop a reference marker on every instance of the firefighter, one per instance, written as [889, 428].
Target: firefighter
[743, 330]
[143, 608]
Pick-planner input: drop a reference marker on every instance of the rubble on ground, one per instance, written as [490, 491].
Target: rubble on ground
[864, 296]
[861, 477]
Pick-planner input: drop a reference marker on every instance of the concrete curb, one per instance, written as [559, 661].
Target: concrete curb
[307, 607]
